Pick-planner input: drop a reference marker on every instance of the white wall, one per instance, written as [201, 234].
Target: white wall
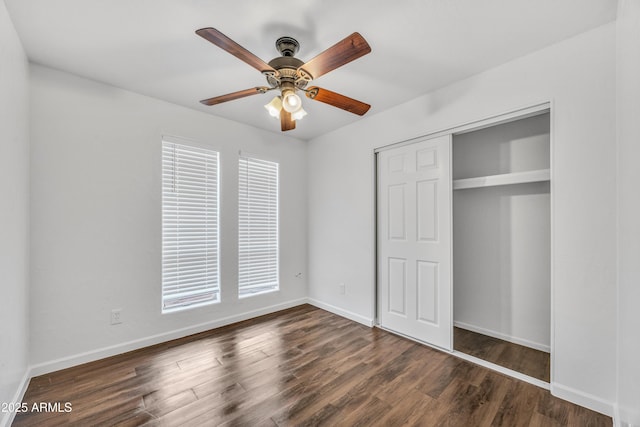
[14, 211]
[628, 110]
[96, 222]
[578, 76]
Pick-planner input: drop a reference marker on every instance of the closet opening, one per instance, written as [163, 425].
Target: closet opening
[463, 241]
[501, 247]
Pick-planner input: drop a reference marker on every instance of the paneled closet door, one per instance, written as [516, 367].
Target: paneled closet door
[414, 240]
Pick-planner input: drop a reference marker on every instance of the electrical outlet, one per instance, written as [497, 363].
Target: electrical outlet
[343, 288]
[116, 316]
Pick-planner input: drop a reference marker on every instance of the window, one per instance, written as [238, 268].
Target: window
[190, 249]
[257, 227]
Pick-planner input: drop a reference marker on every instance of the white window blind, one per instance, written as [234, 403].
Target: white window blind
[258, 226]
[190, 261]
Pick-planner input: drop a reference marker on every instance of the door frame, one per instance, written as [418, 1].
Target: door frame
[514, 114]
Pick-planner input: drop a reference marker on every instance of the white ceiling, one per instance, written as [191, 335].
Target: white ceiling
[149, 46]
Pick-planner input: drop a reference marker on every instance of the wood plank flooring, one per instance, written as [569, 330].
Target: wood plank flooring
[300, 367]
[535, 363]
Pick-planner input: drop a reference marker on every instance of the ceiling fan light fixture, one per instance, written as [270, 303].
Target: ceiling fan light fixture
[291, 102]
[299, 114]
[274, 107]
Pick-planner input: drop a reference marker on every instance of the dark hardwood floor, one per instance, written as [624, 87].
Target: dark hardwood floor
[528, 361]
[302, 366]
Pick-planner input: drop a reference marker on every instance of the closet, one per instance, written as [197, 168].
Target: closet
[464, 240]
[501, 244]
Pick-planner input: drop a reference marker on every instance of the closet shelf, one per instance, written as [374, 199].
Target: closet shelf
[503, 179]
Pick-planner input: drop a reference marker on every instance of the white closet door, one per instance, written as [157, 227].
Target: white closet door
[414, 240]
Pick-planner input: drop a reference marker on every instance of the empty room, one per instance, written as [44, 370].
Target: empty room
[284, 213]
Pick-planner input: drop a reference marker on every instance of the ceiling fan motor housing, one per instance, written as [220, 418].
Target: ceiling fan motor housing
[287, 65]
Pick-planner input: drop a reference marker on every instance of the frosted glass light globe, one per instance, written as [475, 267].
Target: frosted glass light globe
[291, 102]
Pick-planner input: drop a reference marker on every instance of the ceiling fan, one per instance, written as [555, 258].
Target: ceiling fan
[289, 74]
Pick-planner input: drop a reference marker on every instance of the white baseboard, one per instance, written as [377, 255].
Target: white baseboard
[341, 312]
[504, 337]
[101, 353]
[583, 399]
[8, 417]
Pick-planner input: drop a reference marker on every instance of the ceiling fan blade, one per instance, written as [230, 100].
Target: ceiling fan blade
[341, 53]
[225, 43]
[332, 98]
[235, 95]
[286, 122]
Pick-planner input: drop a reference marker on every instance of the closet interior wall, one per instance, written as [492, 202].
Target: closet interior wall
[501, 233]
